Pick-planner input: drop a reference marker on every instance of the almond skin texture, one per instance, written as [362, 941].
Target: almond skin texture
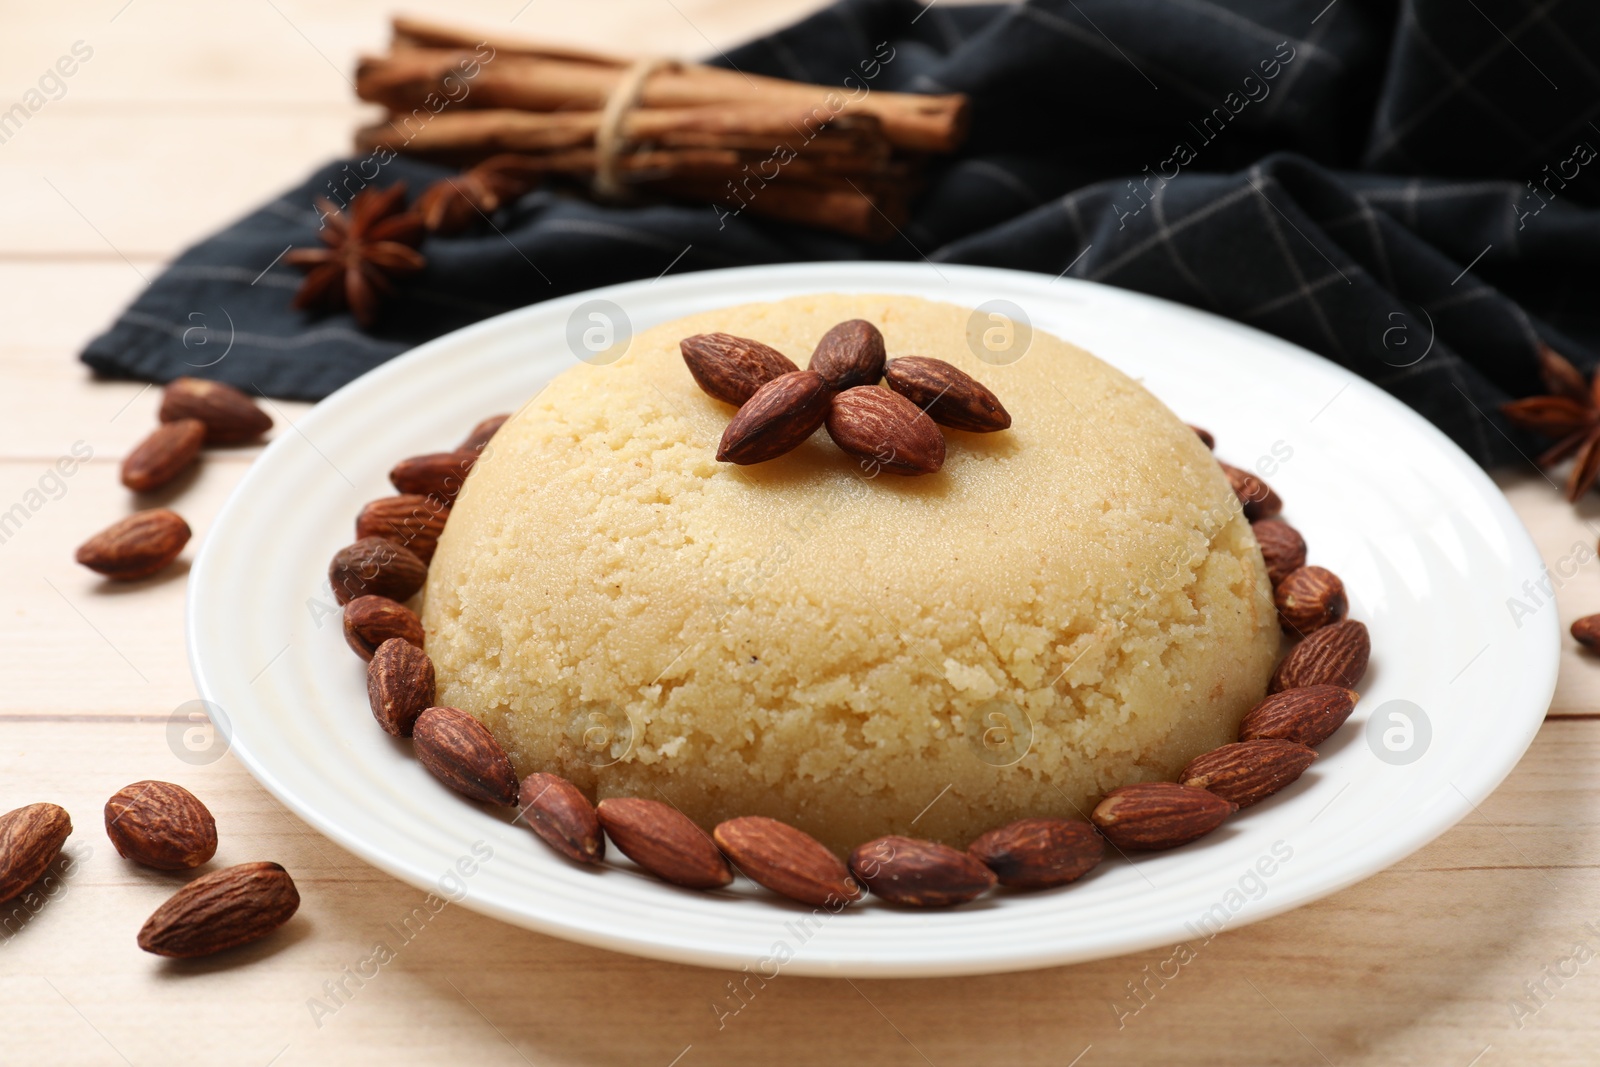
[165, 454]
[850, 354]
[1040, 853]
[730, 368]
[1282, 548]
[400, 685]
[136, 547]
[375, 566]
[478, 439]
[1586, 631]
[781, 415]
[1308, 599]
[1158, 815]
[949, 395]
[885, 431]
[369, 621]
[1205, 437]
[1256, 496]
[663, 840]
[1333, 655]
[437, 474]
[410, 519]
[1308, 715]
[920, 874]
[461, 752]
[562, 816]
[787, 861]
[161, 825]
[230, 416]
[1248, 771]
[221, 910]
[30, 840]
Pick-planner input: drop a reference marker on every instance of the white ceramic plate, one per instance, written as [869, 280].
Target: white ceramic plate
[1428, 547]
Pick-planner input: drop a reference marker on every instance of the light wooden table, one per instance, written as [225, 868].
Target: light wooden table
[186, 114]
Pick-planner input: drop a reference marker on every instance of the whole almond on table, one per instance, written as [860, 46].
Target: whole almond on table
[885, 431]
[230, 416]
[410, 520]
[731, 368]
[949, 395]
[1257, 497]
[665, 842]
[169, 451]
[137, 546]
[562, 816]
[375, 566]
[478, 439]
[461, 752]
[1205, 437]
[785, 860]
[1308, 599]
[400, 685]
[776, 419]
[437, 474]
[1333, 655]
[1040, 853]
[1246, 772]
[850, 354]
[161, 825]
[920, 874]
[221, 910]
[1586, 631]
[1282, 548]
[30, 840]
[1157, 815]
[369, 621]
[1308, 715]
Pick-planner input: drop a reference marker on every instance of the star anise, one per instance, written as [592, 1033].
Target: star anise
[1571, 413]
[366, 249]
[450, 204]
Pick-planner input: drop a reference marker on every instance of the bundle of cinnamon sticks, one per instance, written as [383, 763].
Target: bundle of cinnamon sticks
[844, 159]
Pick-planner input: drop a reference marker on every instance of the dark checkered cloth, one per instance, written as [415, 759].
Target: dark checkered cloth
[1407, 191]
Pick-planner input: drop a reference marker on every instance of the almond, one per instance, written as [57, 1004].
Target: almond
[410, 519]
[376, 566]
[786, 860]
[30, 840]
[400, 685]
[562, 816]
[230, 417]
[165, 454]
[1040, 853]
[1257, 497]
[1308, 715]
[478, 439]
[1248, 771]
[949, 395]
[1158, 815]
[461, 752]
[1308, 599]
[665, 842]
[920, 874]
[221, 910]
[437, 474]
[849, 355]
[1205, 437]
[776, 419]
[731, 368]
[161, 825]
[1333, 655]
[885, 431]
[1586, 631]
[137, 546]
[1282, 548]
[369, 621]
